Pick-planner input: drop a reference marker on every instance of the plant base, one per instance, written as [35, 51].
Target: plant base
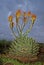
[26, 59]
[22, 59]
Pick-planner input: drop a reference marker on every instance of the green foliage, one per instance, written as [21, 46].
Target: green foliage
[1, 61]
[15, 62]
[4, 46]
[24, 46]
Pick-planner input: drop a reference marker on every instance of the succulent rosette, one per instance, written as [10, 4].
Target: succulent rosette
[22, 45]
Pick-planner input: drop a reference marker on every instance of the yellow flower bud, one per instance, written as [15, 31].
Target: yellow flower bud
[33, 17]
[10, 18]
[24, 14]
[25, 19]
[29, 14]
[18, 13]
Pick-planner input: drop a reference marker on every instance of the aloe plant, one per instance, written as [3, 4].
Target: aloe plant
[23, 45]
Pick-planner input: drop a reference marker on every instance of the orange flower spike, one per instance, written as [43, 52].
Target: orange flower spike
[29, 14]
[25, 19]
[18, 13]
[10, 18]
[33, 17]
[25, 14]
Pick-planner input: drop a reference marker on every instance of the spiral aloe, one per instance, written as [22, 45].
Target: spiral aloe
[23, 45]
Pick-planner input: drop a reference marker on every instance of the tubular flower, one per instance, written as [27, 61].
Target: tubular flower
[10, 18]
[33, 18]
[25, 19]
[11, 24]
[29, 14]
[24, 14]
[18, 13]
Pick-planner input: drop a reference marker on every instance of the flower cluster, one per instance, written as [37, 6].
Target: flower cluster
[25, 15]
[10, 19]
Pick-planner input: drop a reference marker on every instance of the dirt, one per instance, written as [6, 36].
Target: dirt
[42, 50]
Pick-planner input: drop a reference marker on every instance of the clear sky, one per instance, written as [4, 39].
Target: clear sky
[35, 6]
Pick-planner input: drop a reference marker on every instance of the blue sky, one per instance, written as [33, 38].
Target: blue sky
[35, 6]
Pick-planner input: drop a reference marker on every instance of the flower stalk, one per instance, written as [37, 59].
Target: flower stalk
[25, 17]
